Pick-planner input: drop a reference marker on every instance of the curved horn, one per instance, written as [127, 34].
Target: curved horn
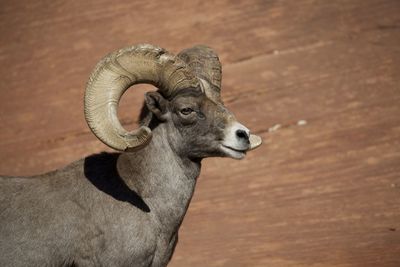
[206, 65]
[114, 74]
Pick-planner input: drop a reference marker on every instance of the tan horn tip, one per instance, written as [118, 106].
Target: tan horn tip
[255, 141]
[138, 139]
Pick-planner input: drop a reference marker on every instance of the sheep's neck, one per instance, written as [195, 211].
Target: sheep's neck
[165, 183]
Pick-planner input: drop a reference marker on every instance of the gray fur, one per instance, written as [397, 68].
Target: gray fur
[115, 209]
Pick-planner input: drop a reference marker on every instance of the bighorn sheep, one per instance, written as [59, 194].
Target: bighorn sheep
[125, 209]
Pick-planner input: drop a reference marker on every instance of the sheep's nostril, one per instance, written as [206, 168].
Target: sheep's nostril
[242, 135]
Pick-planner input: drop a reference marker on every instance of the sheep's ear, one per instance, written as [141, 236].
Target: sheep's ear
[157, 104]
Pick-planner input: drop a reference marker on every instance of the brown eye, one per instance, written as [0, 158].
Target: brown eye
[186, 111]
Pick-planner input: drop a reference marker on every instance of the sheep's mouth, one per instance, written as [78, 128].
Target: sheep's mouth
[233, 152]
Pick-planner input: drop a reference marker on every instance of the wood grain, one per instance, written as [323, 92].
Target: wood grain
[326, 193]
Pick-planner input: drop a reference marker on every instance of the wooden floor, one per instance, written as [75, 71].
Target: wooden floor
[322, 193]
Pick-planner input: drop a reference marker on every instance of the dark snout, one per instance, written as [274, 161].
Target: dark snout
[243, 137]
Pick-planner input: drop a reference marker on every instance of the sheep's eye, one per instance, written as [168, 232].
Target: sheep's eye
[186, 111]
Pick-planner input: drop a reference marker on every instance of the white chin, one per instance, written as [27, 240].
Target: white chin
[230, 152]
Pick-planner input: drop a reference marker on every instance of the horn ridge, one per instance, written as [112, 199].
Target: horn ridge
[206, 66]
[117, 72]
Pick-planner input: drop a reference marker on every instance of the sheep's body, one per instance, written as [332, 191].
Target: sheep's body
[97, 211]
[125, 209]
